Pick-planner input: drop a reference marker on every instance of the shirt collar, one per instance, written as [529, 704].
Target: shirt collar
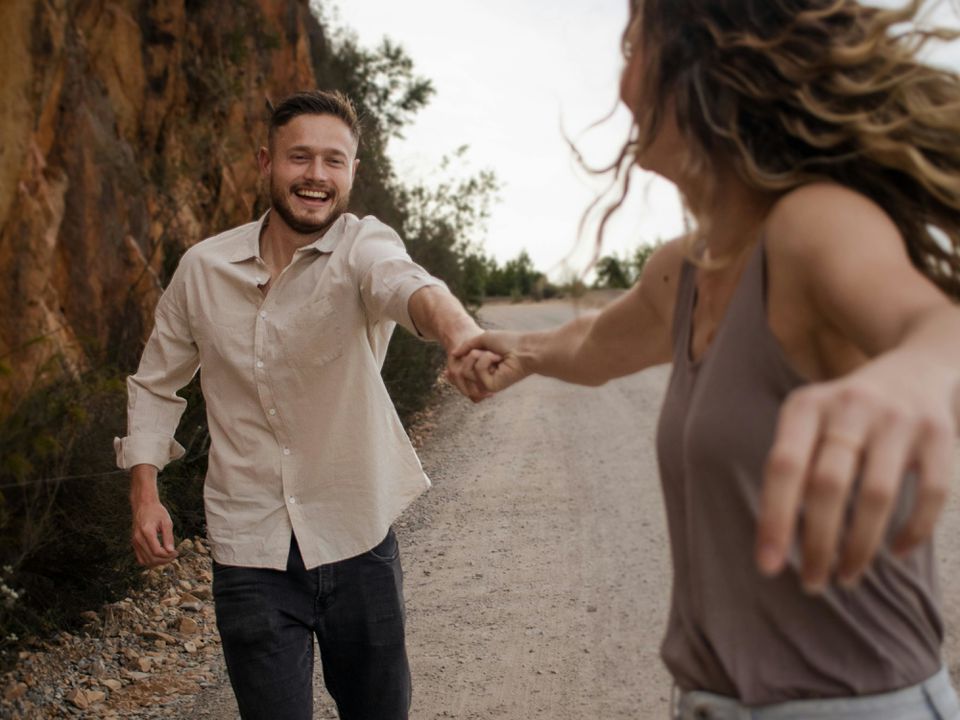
[326, 243]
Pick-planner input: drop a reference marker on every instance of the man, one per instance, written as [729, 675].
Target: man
[289, 317]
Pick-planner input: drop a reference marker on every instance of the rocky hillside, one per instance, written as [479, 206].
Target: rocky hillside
[128, 133]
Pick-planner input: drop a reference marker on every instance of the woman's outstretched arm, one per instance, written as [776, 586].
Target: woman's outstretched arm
[898, 411]
[628, 335]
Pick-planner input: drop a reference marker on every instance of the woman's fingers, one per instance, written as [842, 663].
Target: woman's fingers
[883, 468]
[784, 479]
[933, 463]
[827, 492]
[829, 436]
[469, 376]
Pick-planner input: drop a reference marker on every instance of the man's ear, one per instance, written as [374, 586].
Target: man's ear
[356, 164]
[264, 161]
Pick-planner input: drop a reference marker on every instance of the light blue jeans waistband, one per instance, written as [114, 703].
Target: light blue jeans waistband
[933, 699]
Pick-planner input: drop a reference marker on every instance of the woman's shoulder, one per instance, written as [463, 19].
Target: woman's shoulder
[660, 277]
[822, 218]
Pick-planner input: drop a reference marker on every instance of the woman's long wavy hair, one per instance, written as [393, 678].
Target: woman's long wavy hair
[795, 91]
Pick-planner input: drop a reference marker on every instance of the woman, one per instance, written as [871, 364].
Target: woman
[815, 350]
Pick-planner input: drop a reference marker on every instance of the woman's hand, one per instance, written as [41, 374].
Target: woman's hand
[493, 359]
[890, 417]
[461, 372]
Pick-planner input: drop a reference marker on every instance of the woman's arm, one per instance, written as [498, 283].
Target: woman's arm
[896, 412]
[629, 334]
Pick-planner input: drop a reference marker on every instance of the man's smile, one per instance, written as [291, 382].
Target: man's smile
[311, 197]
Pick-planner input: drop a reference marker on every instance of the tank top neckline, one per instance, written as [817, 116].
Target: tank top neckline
[694, 365]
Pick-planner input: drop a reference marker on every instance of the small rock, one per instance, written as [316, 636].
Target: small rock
[190, 646]
[188, 626]
[158, 635]
[591, 608]
[15, 691]
[79, 698]
[112, 684]
[185, 545]
[185, 585]
[190, 602]
[95, 696]
[145, 664]
[90, 616]
[199, 546]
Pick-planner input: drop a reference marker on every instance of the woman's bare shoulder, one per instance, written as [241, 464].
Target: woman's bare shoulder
[819, 221]
[661, 274]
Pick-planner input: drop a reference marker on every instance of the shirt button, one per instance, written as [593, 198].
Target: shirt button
[272, 411]
[259, 280]
[292, 500]
[262, 314]
[286, 451]
[259, 363]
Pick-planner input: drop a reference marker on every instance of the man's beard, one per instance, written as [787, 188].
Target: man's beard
[281, 203]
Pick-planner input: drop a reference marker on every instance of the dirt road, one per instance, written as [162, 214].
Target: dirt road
[537, 569]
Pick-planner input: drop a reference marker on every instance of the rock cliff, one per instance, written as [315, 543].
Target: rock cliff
[127, 133]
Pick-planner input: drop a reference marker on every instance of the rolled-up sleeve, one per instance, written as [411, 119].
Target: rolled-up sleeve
[388, 276]
[170, 360]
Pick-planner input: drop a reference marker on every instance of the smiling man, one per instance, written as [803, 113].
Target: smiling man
[290, 317]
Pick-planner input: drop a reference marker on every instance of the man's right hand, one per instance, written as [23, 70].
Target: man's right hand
[152, 528]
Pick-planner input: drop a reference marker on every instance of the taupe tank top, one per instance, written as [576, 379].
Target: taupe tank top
[731, 630]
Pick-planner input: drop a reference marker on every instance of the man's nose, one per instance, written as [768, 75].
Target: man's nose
[316, 170]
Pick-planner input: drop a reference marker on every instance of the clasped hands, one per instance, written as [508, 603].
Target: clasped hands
[485, 364]
[837, 466]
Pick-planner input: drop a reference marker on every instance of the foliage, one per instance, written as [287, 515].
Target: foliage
[622, 272]
[443, 225]
[63, 509]
[517, 278]
[612, 273]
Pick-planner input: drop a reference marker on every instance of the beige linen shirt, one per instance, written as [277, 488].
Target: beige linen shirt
[304, 437]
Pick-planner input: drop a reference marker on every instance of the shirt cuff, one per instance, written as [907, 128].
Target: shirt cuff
[147, 449]
[401, 298]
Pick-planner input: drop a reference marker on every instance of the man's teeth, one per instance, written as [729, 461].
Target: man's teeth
[316, 194]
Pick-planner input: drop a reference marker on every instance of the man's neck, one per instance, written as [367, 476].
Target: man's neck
[278, 242]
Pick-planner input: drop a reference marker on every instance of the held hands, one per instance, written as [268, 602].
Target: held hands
[462, 370]
[491, 361]
[887, 418]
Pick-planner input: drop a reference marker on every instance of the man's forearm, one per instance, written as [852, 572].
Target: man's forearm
[143, 484]
[439, 316]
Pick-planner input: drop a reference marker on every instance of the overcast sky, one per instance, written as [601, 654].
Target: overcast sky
[508, 74]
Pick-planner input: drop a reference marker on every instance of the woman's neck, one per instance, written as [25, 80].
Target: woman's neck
[734, 217]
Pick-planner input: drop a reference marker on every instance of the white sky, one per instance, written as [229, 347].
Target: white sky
[507, 73]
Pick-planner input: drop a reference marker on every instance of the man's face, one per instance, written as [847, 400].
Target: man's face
[310, 166]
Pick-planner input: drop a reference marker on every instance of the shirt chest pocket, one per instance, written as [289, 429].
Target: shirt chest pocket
[311, 336]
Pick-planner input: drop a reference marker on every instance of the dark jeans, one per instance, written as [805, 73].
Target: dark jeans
[267, 620]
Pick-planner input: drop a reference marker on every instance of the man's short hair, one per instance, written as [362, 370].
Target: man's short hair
[315, 102]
